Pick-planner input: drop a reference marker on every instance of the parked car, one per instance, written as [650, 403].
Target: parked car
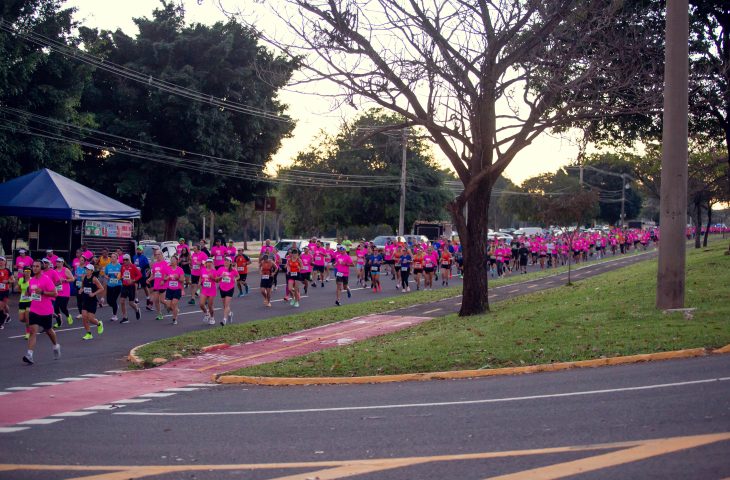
[499, 236]
[381, 240]
[527, 232]
[282, 246]
[412, 240]
[168, 248]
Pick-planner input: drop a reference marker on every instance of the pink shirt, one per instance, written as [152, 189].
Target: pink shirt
[174, 278]
[180, 247]
[65, 290]
[360, 253]
[319, 256]
[197, 260]
[52, 258]
[75, 263]
[53, 276]
[40, 304]
[306, 262]
[207, 282]
[158, 275]
[343, 262]
[219, 253]
[227, 278]
[21, 262]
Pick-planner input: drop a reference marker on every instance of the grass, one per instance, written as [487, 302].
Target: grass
[609, 315]
[191, 343]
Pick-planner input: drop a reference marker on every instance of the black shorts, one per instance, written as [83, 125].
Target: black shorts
[342, 280]
[266, 283]
[242, 277]
[185, 269]
[319, 268]
[523, 262]
[305, 276]
[128, 292]
[89, 304]
[23, 306]
[227, 293]
[43, 321]
[429, 269]
[173, 294]
[294, 278]
[397, 268]
[390, 262]
[159, 290]
[374, 270]
[417, 270]
[4, 295]
[195, 279]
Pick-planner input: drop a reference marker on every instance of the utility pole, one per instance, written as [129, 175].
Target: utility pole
[402, 214]
[670, 290]
[623, 201]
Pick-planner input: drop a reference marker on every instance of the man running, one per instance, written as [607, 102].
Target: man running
[197, 262]
[343, 262]
[91, 289]
[42, 291]
[130, 276]
[157, 281]
[267, 269]
[6, 282]
[242, 262]
[143, 264]
[63, 293]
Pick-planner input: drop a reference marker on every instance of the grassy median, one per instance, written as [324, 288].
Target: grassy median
[609, 315]
[192, 342]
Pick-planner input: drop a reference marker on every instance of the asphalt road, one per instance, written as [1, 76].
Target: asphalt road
[658, 420]
[108, 352]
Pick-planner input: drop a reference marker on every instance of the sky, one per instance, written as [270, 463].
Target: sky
[312, 112]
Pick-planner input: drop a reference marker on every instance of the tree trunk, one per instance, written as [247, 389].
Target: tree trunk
[698, 225]
[475, 228]
[709, 222]
[170, 228]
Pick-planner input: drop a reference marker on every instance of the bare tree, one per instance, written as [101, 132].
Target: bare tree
[482, 78]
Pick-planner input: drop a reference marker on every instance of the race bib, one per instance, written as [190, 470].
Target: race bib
[87, 290]
[264, 277]
[35, 297]
[293, 274]
[218, 257]
[127, 276]
[78, 284]
[340, 274]
[173, 284]
[24, 298]
[318, 258]
[241, 269]
[226, 279]
[158, 274]
[2, 286]
[59, 288]
[206, 284]
[416, 265]
[374, 269]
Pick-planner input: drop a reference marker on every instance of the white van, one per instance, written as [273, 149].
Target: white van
[528, 232]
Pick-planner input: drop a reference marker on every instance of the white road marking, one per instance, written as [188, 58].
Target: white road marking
[94, 375]
[104, 407]
[116, 371]
[57, 331]
[74, 414]
[71, 379]
[157, 394]
[181, 389]
[133, 400]
[202, 384]
[5, 393]
[41, 421]
[514, 290]
[432, 404]
[12, 429]
[293, 339]
[48, 384]
[20, 389]
[431, 311]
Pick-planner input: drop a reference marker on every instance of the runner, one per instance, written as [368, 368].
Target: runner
[197, 262]
[360, 253]
[389, 262]
[267, 249]
[24, 301]
[418, 261]
[242, 262]
[293, 268]
[524, 253]
[306, 272]
[343, 262]
[183, 255]
[430, 261]
[231, 250]
[219, 253]
[207, 291]
[51, 256]
[404, 261]
[79, 273]
[63, 293]
[174, 278]
[266, 268]
[157, 280]
[446, 263]
[6, 282]
[22, 261]
[318, 262]
[397, 253]
[143, 264]
[91, 288]
[130, 276]
[113, 274]
[376, 264]
[227, 277]
[41, 290]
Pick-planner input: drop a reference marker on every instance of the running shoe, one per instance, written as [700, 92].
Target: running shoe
[88, 336]
[149, 307]
[137, 314]
[136, 301]
[349, 293]
[230, 317]
[291, 302]
[191, 301]
[211, 321]
[321, 284]
[286, 299]
[28, 359]
[296, 304]
[114, 318]
[174, 321]
[408, 289]
[57, 322]
[70, 320]
[100, 328]
[26, 336]
[206, 318]
[337, 302]
[314, 285]
[79, 316]
[241, 295]
[268, 304]
[159, 316]
[124, 320]
[57, 352]
[223, 322]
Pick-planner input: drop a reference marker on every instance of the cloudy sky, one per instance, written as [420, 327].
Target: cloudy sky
[311, 112]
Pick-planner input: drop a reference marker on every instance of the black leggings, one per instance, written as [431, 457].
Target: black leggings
[112, 294]
[404, 273]
[61, 306]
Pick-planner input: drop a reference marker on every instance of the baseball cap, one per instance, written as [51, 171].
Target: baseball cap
[89, 267]
[181, 239]
[22, 250]
[49, 251]
[140, 248]
[126, 257]
[2, 257]
[209, 260]
[229, 259]
[88, 256]
[340, 247]
[45, 260]
[59, 259]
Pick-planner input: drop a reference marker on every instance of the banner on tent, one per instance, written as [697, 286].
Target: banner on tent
[93, 228]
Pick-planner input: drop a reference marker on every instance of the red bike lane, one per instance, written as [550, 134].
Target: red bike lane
[97, 392]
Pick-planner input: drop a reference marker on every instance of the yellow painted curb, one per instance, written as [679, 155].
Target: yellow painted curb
[133, 358]
[460, 374]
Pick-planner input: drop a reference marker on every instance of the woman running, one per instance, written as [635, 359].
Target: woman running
[207, 291]
[360, 253]
[64, 293]
[91, 290]
[130, 276]
[227, 277]
[6, 283]
[24, 302]
[113, 274]
[157, 280]
[42, 291]
[397, 253]
[306, 272]
[174, 277]
[404, 261]
[293, 269]
[418, 261]
[430, 260]
[267, 269]
[376, 265]
[197, 261]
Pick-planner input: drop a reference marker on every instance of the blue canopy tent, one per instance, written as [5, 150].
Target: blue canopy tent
[64, 214]
[47, 194]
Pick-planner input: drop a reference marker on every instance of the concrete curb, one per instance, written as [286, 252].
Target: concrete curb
[133, 358]
[462, 374]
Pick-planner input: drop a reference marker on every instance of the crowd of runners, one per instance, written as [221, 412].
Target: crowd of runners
[210, 278]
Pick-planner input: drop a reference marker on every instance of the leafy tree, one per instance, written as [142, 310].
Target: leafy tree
[39, 81]
[379, 156]
[224, 61]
